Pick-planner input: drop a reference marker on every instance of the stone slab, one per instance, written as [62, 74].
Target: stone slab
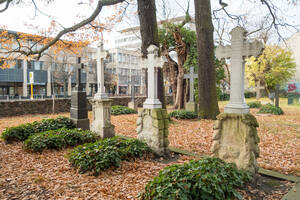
[278, 175]
[191, 106]
[293, 194]
[84, 124]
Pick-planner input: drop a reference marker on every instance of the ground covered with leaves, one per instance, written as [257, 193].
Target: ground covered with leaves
[49, 175]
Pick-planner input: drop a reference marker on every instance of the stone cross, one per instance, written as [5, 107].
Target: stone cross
[132, 89]
[152, 63]
[101, 55]
[191, 76]
[80, 66]
[239, 49]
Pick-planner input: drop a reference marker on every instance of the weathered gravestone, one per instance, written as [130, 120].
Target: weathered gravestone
[101, 103]
[132, 104]
[235, 136]
[79, 112]
[153, 122]
[191, 105]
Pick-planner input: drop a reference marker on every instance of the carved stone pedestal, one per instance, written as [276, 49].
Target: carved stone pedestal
[235, 140]
[191, 106]
[132, 105]
[78, 112]
[152, 128]
[101, 114]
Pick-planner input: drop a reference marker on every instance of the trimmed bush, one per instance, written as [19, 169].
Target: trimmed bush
[98, 156]
[254, 104]
[249, 94]
[23, 131]
[58, 139]
[208, 178]
[223, 97]
[269, 108]
[121, 110]
[183, 114]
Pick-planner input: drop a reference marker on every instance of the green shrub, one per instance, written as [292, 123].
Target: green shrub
[269, 108]
[209, 178]
[183, 114]
[249, 94]
[254, 104]
[57, 139]
[223, 97]
[106, 153]
[23, 131]
[121, 110]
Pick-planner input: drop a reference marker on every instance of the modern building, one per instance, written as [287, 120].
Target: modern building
[52, 74]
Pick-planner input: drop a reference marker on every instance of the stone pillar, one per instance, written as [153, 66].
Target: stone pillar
[101, 104]
[49, 88]
[87, 84]
[25, 93]
[79, 112]
[237, 103]
[191, 105]
[70, 81]
[152, 128]
[235, 140]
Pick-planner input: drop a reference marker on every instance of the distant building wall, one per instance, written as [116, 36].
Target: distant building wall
[45, 106]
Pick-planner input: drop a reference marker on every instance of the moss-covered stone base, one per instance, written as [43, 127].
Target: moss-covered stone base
[152, 128]
[235, 140]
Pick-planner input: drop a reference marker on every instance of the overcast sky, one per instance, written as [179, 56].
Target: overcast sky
[66, 12]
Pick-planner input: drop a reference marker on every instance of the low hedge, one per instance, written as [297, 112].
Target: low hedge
[269, 108]
[183, 114]
[208, 178]
[23, 131]
[58, 139]
[254, 104]
[98, 156]
[121, 110]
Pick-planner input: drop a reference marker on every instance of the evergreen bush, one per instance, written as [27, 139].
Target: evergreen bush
[254, 104]
[208, 178]
[100, 155]
[183, 114]
[58, 139]
[23, 131]
[269, 108]
[121, 110]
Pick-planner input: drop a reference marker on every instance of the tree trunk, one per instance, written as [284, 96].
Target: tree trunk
[149, 34]
[208, 104]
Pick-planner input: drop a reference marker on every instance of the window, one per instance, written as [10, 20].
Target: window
[19, 64]
[37, 65]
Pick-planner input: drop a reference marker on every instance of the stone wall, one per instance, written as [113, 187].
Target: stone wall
[45, 106]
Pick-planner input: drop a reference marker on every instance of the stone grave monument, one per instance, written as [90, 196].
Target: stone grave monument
[101, 104]
[153, 122]
[132, 104]
[79, 112]
[191, 105]
[235, 137]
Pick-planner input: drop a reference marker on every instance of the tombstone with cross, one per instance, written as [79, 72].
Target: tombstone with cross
[237, 51]
[153, 121]
[78, 111]
[235, 137]
[153, 63]
[101, 104]
[191, 105]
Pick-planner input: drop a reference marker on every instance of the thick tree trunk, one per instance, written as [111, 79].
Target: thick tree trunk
[149, 34]
[208, 105]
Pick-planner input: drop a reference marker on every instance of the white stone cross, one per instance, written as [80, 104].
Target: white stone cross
[191, 76]
[101, 55]
[152, 63]
[239, 49]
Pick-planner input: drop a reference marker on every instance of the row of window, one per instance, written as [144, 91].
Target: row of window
[123, 58]
[127, 39]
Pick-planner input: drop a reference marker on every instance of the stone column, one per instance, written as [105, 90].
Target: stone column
[101, 103]
[49, 88]
[153, 122]
[191, 105]
[87, 84]
[70, 81]
[237, 102]
[25, 93]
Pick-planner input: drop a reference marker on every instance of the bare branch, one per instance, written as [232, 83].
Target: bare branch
[6, 5]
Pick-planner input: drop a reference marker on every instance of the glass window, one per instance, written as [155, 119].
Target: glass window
[37, 65]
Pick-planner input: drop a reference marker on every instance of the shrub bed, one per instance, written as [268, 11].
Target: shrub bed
[57, 139]
[269, 108]
[254, 104]
[23, 131]
[209, 178]
[100, 155]
[183, 114]
[121, 110]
